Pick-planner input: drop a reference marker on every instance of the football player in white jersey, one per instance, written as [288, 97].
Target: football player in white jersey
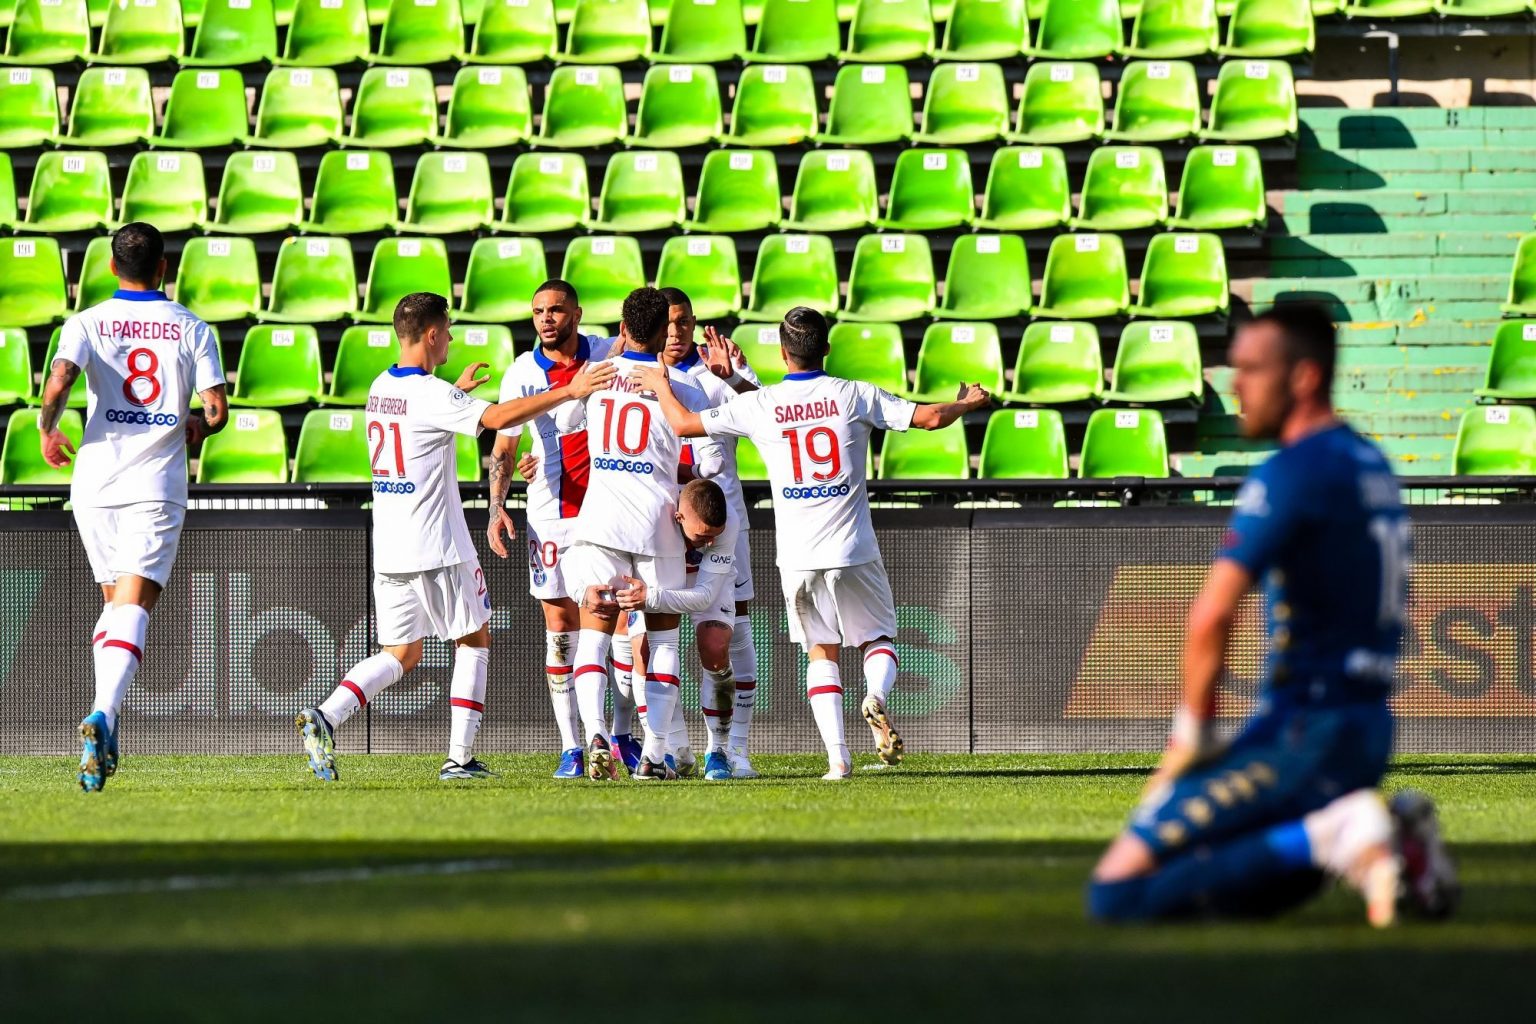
[427, 576]
[144, 357]
[813, 433]
[557, 484]
[625, 528]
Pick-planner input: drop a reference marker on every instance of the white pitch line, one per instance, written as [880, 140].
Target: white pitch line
[199, 883]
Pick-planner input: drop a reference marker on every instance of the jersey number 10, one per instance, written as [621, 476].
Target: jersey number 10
[621, 430]
[819, 446]
[376, 436]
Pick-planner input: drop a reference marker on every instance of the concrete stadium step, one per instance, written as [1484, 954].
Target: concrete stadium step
[1420, 117]
[1406, 161]
[1359, 180]
[1355, 216]
[1385, 136]
[1324, 265]
[1387, 203]
[1407, 244]
[1397, 299]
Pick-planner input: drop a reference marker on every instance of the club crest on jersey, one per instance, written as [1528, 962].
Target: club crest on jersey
[458, 398]
[820, 409]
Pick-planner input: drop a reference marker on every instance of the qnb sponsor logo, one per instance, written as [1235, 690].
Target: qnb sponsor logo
[829, 491]
[624, 465]
[393, 487]
[143, 419]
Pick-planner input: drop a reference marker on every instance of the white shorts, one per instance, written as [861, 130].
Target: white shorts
[139, 539]
[447, 603]
[724, 611]
[592, 565]
[548, 543]
[745, 590]
[849, 606]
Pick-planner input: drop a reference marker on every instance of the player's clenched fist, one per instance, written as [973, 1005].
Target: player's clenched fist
[593, 377]
[974, 396]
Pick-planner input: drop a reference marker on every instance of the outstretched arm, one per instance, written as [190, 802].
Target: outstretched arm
[57, 449]
[936, 417]
[592, 377]
[684, 422]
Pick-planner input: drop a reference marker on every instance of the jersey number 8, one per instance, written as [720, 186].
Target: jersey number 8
[143, 365]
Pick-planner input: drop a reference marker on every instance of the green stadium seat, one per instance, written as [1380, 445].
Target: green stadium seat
[563, 11]
[892, 279]
[32, 291]
[869, 352]
[1277, 28]
[775, 105]
[393, 108]
[45, 32]
[792, 270]
[985, 30]
[1027, 190]
[70, 192]
[111, 107]
[333, 446]
[420, 32]
[583, 109]
[488, 109]
[1475, 9]
[641, 192]
[1496, 440]
[299, 108]
[1157, 363]
[251, 450]
[702, 32]
[953, 354]
[259, 194]
[705, 267]
[1085, 279]
[1320, 8]
[7, 192]
[987, 279]
[1185, 275]
[480, 343]
[1512, 363]
[279, 366]
[1522, 280]
[1024, 444]
[166, 190]
[661, 12]
[21, 459]
[890, 31]
[1386, 8]
[29, 108]
[1077, 30]
[378, 10]
[964, 104]
[142, 32]
[759, 344]
[364, 352]
[514, 32]
[205, 110]
[930, 190]
[15, 367]
[467, 453]
[1174, 30]
[835, 190]
[1158, 101]
[450, 193]
[679, 107]
[871, 105]
[78, 398]
[926, 454]
[796, 32]
[1124, 442]
[314, 283]
[1124, 190]
[608, 32]
[1222, 190]
[95, 281]
[234, 33]
[500, 280]
[354, 194]
[218, 279]
[400, 266]
[1255, 100]
[749, 461]
[738, 191]
[604, 270]
[1058, 364]
[547, 192]
[327, 33]
[1061, 103]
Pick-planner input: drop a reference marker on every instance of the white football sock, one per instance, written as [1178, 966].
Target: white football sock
[591, 681]
[880, 668]
[744, 669]
[466, 700]
[559, 652]
[663, 665]
[1341, 831]
[824, 688]
[717, 696]
[100, 632]
[117, 657]
[623, 686]
[677, 735]
[367, 678]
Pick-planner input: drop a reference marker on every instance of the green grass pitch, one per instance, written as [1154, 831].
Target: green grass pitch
[234, 889]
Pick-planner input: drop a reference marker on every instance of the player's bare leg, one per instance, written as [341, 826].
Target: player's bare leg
[471, 663]
[562, 624]
[117, 648]
[744, 668]
[880, 668]
[717, 695]
[317, 726]
[824, 689]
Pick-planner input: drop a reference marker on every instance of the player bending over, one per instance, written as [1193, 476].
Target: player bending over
[427, 577]
[144, 357]
[813, 432]
[1254, 828]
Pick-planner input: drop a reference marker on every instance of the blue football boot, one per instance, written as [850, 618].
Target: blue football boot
[573, 764]
[717, 767]
[319, 743]
[629, 751]
[98, 748]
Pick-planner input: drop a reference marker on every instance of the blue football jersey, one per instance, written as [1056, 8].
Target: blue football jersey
[1322, 524]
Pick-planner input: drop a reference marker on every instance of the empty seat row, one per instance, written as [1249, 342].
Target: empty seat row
[1496, 440]
[1124, 188]
[680, 106]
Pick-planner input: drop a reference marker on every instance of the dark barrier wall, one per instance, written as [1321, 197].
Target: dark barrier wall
[1020, 631]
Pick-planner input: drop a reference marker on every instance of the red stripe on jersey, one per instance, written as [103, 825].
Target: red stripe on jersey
[583, 670]
[623, 667]
[685, 456]
[357, 691]
[882, 649]
[663, 678]
[575, 467]
[138, 655]
[558, 670]
[817, 691]
[464, 702]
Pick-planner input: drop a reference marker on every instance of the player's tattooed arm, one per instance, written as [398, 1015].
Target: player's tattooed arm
[942, 414]
[57, 449]
[683, 421]
[215, 415]
[501, 529]
[591, 377]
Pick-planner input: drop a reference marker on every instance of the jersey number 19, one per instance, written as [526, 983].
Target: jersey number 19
[819, 447]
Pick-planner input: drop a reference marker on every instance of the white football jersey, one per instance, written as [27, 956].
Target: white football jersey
[418, 520]
[635, 453]
[719, 392]
[813, 433]
[560, 483]
[143, 357]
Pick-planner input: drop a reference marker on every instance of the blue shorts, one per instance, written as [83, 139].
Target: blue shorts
[1286, 762]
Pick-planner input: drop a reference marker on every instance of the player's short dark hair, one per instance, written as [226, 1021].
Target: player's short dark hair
[677, 297]
[554, 284]
[1308, 332]
[418, 311]
[137, 250]
[804, 336]
[707, 501]
[645, 314]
